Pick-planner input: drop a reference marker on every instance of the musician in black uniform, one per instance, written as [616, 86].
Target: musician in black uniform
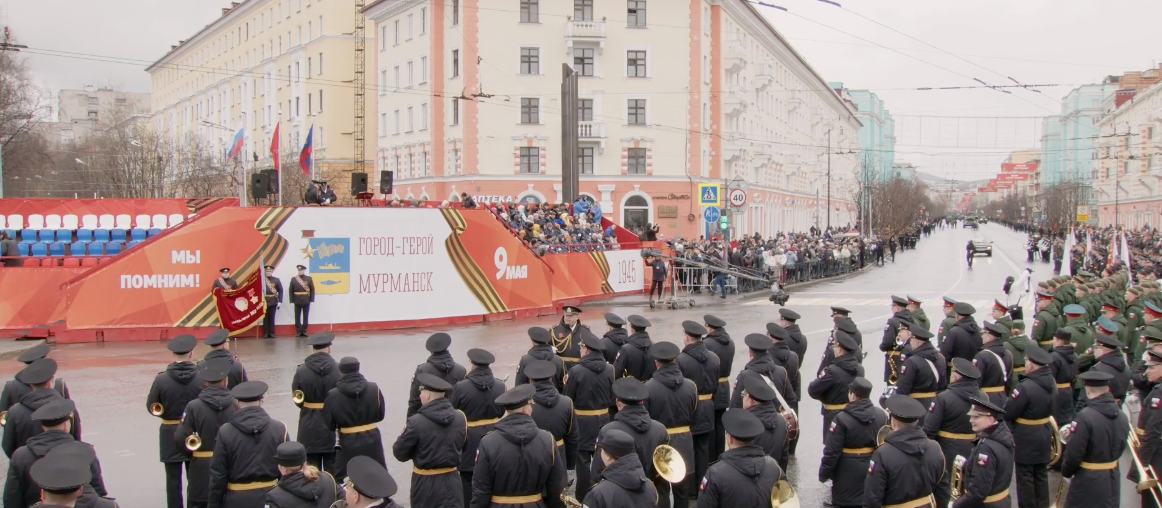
[1096, 442]
[744, 475]
[14, 389]
[719, 343]
[701, 366]
[244, 467]
[590, 387]
[633, 359]
[302, 296]
[962, 339]
[922, 373]
[553, 412]
[217, 342]
[832, 386]
[474, 397]
[541, 350]
[172, 389]
[354, 408]
[759, 399]
[900, 313]
[63, 476]
[439, 364]
[1108, 351]
[224, 282]
[906, 468]
[845, 325]
[301, 485]
[947, 420]
[20, 426]
[273, 295]
[1149, 427]
[315, 378]
[995, 363]
[1027, 413]
[762, 364]
[634, 419]
[55, 418]
[781, 353]
[567, 335]
[518, 464]
[849, 442]
[369, 485]
[433, 440]
[673, 402]
[989, 466]
[797, 342]
[204, 416]
[627, 485]
[615, 336]
[1064, 368]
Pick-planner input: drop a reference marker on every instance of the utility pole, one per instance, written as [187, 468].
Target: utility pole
[570, 165]
[828, 178]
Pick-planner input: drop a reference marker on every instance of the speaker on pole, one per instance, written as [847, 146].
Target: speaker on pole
[259, 185]
[358, 183]
[272, 179]
[385, 181]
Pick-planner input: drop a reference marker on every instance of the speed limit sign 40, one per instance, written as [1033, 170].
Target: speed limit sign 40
[737, 197]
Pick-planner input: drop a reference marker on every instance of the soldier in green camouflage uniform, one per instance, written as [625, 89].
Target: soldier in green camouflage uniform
[918, 314]
[1017, 342]
[1044, 324]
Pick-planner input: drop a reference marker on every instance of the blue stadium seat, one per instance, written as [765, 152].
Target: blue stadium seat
[56, 249]
[118, 235]
[97, 249]
[132, 244]
[64, 235]
[12, 234]
[113, 248]
[47, 235]
[84, 235]
[23, 248]
[77, 249]
[38, 250]
[138, 234]
[154, 232]
[101, 235]
[28, 236]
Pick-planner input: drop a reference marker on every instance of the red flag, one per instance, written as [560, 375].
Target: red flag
[274, 149]
[243, 308]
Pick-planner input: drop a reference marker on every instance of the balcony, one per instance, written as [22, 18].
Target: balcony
[736, 57]
[592, 32]
[591, 130]
[735, 101]
[764, 75]
[734, 146]
[793, 103]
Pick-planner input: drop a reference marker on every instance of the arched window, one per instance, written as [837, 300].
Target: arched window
[529, 199]
[636, 214]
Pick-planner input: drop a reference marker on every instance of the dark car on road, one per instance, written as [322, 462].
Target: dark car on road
[981, 245]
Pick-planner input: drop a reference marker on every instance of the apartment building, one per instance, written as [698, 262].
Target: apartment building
[1129, 157]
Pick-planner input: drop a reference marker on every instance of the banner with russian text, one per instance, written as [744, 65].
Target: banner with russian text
[240, 309]
[1019, 168]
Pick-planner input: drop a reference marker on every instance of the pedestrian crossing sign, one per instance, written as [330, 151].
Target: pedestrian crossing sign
[709, 194]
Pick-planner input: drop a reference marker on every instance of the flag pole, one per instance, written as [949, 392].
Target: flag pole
[278, 163]
[314, 172]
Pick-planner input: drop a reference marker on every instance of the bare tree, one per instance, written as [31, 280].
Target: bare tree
[897, 204]
[22, 106]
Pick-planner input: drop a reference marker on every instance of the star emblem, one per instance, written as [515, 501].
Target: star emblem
[310, 253]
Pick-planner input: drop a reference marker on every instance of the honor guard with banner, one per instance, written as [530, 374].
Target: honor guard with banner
[1094, 442]
[627, 485]
[243, 467]
[833, 385]
[302, 296]
[241, 308]
[475, 396]
[302, 485]
[172, 390]
[590, 387]
[995, 363]
[272, 291]
[888, 344]
[719, 343]
[701, 366]
[744, 475]
[948, 424]
[987, 471]
[224, 282]
[433, 440]
[197, 435]
[567, 335]
[1148, 434]
[615, 336]
[922, 373]
[369, 484]
[354, 408]
[634, 419]
[217, 342]
[1029, 415]
[543, 351]
[673, 402]
[905, 469]
[760, 399]
[55, 418]
[849, 441]
[14, 389]
[517, 463]
[633, 359]
[788, 319]
[314, 379]
[439, 364]
[553, 412]
[19, 426]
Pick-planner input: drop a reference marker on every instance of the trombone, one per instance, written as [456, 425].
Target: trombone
[1148, 479]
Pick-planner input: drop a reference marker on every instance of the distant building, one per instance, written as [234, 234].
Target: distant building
[1129, 155]
[1068, 139]
[79, 112]
[877, 137]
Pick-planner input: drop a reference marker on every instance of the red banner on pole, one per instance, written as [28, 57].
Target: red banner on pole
[1013, 177]
[1019, 168]
[243, 308]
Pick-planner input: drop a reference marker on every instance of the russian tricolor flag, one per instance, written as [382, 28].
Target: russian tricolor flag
[308, 150]
[236, 146]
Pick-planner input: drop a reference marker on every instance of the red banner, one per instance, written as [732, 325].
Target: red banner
[983, 189]
[969, 194]
[1013, 177]
[1019, 168]
[241, 309]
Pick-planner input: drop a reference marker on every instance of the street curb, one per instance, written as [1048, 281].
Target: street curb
[19, 348]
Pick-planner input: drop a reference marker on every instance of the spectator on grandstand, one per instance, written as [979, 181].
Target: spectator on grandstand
[9, 250]
[580, 206]
[466, 201]
[651, 233]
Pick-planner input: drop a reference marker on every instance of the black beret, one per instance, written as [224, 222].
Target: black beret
[638, 321]
[965, 368]
[540, 335]
[369, 478]
[693, 329]
[664, 351]
[712, 320]
[741, 424]
[846, 325]
[758, 342]
[214, 369]
[1109, 341]
[905, 408]
[321, 340]
[348, 365]
[902, 302]
[290, 454]
[861, 387]
[438, 342]
[614, 319]
[38, 372]
[1095, 378]
[60, 470]
[432, 383]
[1038, 356]
[182, 344]
[963, 309]
[982, 406]
[517, 397]
[789, 314]
[1063, 334]
[846, 341]
[757, 388]
[778, 332]
[479, 356]
[217, 338]
[57, 410]
[33, 354]
[591, 341]
[630, 390]
[249, 391]
[540, 369]
[616, 443]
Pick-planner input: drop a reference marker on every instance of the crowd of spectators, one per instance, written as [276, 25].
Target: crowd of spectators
[558, 228]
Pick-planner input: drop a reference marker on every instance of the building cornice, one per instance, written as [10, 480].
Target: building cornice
[382, 10]
[243, 7]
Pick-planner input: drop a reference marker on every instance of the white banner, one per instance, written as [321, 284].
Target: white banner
[626, 270]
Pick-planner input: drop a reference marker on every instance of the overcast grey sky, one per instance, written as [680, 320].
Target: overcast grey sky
[1034, 41]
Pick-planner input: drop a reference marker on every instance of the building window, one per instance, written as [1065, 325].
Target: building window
[423, 69]
[636, 111]
[382, 123]
[455, 111]
[455, 161]
[530, 110]
[382, 82]
[637, 161]
[411, 119]
[585, 156]
[423, 21]
[320, 101]
[397, 32]
[530, 159]
[635, 214]
[530, 60]
[455, 12]
[410, 74]
[455, 63]
[424, 116]
[636, 15]
[297, 106]
[585, 110]
[396, 130]
[583, 10]
[530, 11]
[410, 19]
[583, 61]
[635, 64]
[395, 74]
[320, 64]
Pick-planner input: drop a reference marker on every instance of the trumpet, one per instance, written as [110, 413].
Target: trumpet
[298, 397]
[958, 485]
[669, 463]
[193, 442]
[156, 409]
[1148, 478]
[783, 495]
[571, 502]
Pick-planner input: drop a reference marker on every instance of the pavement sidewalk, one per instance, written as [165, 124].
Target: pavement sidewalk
[11, 348]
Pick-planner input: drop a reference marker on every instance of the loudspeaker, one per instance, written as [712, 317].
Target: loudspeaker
[358, 183]
[259, 185]
[272, 179]
[385, 181]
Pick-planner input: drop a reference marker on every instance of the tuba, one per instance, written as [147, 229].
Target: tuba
[669, 464]
[958, 485]
[156, 409]
[783, 495]
[193, 442]
[298, 397]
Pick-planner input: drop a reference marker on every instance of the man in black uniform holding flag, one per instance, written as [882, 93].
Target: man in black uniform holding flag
[167, 399]
[203, 417]
[475, 397]
[243, 467]
[302, 296]
[224, 282]
[272, 292]
[590, 387]
[314, 379]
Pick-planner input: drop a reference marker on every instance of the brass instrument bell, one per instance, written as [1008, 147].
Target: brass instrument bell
[958, 485]
[669, 463]
[571, 502]
[298, 397]
[783, 495]
[193, 442]
[3, 418]
[156, 409]
[1058, 444]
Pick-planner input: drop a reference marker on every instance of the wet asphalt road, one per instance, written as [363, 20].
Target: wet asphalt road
[110, 381]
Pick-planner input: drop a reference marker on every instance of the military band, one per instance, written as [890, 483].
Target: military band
[744, 475]
[759, 399]
[172, 390]
[627, 485]
[475, 396]
[832, 387]
[948, 424]
[995, 363]
[673, 402]
[439, 364]
[797, 342]
[354, 408]
[848, 443]
[633, 359]
[553, 412]
[590, 387]
[1095, 442]
[518, 464]
[217, 342]
[698, 364]
[302, 485]
[888, 344]
[243, 467]
[988, 467]
[905, 470]
[433, 441]
[632, 418]
[1029, 412]
[541, 350]
[55, 419]
[718, 341]
[19, 426]
[313, 380]
[614, 337]
[15, 389]
[197, 434]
